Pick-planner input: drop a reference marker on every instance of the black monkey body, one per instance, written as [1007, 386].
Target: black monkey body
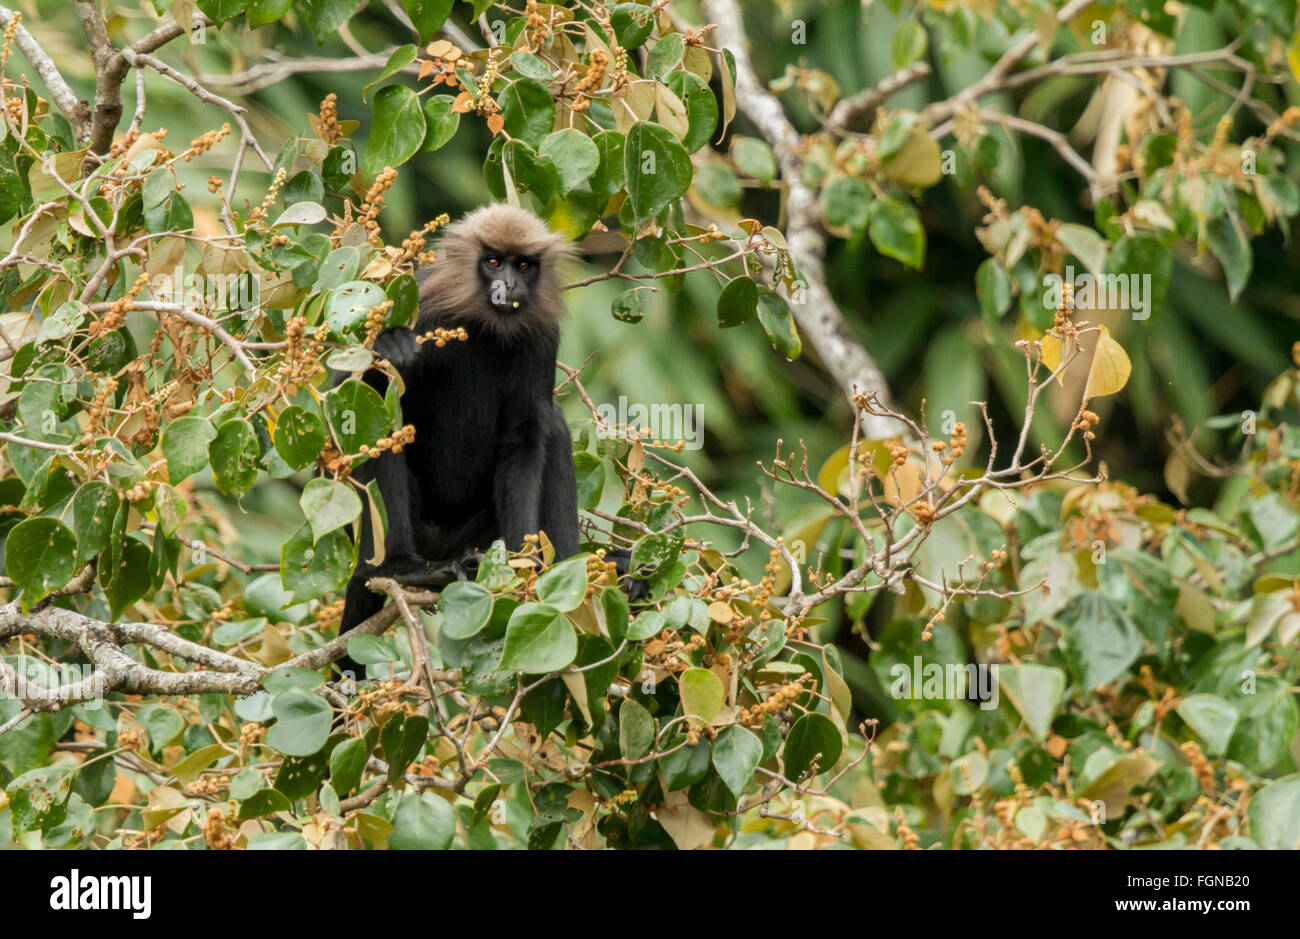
[491, 456]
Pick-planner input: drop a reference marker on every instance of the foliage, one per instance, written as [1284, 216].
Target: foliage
[169, 370]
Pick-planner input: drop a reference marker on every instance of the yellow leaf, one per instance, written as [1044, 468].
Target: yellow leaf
[1293, 56]
[828, 477]
[1051, 353]
[1108, 372]
[686, 825]
[1110, 367]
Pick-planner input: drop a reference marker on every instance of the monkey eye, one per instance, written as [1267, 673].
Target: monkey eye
[494, 262]
[525, 265]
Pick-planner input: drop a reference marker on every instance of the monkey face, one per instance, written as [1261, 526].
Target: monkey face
[508, 280]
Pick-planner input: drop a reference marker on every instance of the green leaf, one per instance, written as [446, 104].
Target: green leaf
[1085, 244]
[348, 305]
[814, 738]
[1100, 640]
[185, 446]
[665, 56]
[687, 765]
[1274, 814]
[302, 723]
[125, 576]
[614, 605]
[737, 301]
[324, 17]
[38, 799]
[632, 24]
[636, 730]
[188, 769]
[564, 586]
[539, 638]
[754, 157]
[627, 307]
[40, 556]
[1143, 255]
[233, 453]
[93, 509]
[163, 725]
[774, 314]
[402, 57]
[609, 176]
[63, 322]
[896, 231]
[427, 16]
[264, 802]
[528, 110]
[701, 107]
[466, 608]
[402, 737]
[441, 122]
[357, 415]
[397, 131]
[1230, 246]
[846, 203]
[311, 568]
[299, 436]
[574, 154]
[530, 172]
[265, 12]
[657, 168]
[221, 11]
[701, 692]
[736, 754]
[909, 43]
[647, 623]
[329, 504]
[1213, 719]
[530, 66]
[27, 745]
[1035, 691]
[1268, 723]
[993, 287]
[422, 822]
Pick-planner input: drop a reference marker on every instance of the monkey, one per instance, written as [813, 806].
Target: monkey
[492, 455]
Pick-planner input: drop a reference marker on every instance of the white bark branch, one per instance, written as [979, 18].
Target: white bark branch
[64, 97]
[819, 317]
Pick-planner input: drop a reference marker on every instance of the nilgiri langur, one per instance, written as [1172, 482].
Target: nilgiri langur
[492, 455]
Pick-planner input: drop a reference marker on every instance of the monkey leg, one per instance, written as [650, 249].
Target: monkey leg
[400, 492]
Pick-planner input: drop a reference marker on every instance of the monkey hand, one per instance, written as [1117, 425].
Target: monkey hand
[400, 348]
[628, 580]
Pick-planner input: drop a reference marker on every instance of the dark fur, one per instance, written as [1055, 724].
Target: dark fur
[492, 455]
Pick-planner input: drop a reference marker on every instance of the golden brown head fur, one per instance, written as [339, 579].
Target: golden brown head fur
[451, 290]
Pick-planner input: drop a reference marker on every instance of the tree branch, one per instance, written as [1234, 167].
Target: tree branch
[819, 316]
[64, 98]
